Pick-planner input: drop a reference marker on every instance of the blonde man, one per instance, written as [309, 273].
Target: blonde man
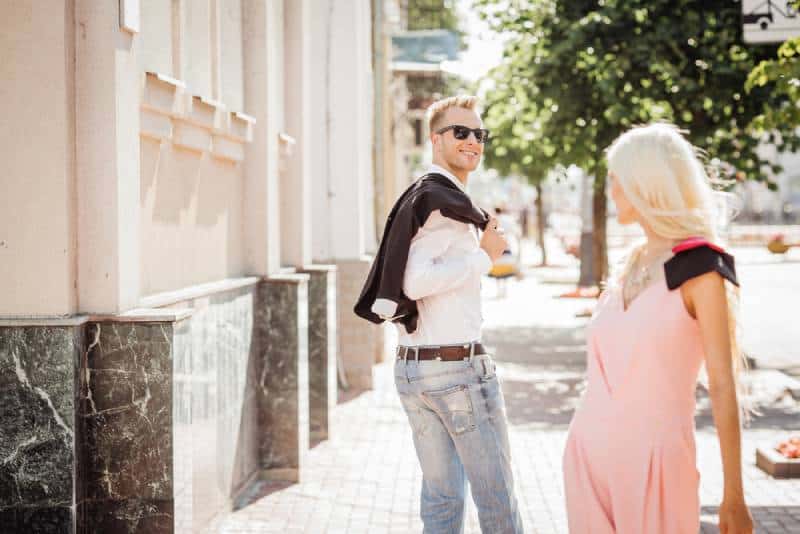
[426, 278]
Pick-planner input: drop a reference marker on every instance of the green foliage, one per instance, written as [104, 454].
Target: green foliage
[577, 74]
[781, 76]
[433, 15]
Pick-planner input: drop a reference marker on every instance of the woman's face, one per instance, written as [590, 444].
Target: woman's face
[626, 213]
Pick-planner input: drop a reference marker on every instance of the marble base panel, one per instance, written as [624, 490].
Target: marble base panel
[361, 343]
[125, 476]
[38, 373]
[322, 333]
[281, 326]
[55, 520]
[156, 425]
[171, 417]
[216, 438]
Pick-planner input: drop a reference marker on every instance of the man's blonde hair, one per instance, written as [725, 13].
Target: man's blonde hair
[437, 110]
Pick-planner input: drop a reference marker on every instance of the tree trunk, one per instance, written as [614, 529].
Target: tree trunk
[599, 213]
[587, 275]
[540, 222]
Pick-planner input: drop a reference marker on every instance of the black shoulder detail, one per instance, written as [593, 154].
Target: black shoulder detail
[693, 262]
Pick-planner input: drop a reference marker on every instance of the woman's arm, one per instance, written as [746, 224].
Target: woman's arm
[706, 300]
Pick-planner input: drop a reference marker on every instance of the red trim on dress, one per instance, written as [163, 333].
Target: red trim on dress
[696, 242]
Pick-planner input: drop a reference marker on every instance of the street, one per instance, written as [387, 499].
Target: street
[366, 479]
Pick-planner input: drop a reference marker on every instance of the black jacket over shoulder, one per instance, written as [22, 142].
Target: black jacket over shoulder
[385, 281]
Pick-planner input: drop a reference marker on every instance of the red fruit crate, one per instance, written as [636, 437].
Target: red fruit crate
[771, 460]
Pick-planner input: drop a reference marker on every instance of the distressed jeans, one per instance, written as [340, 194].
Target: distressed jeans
[458, 421]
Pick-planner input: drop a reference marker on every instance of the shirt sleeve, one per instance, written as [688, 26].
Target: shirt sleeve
[428, 272]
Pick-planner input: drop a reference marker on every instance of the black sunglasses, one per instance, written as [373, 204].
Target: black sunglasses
[462, 132]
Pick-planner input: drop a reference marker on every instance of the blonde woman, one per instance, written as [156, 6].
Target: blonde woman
[629, 462]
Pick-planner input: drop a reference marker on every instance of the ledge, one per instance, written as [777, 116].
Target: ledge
[203, 112]
[225, 148]
[240, 126]
[137, 315]
[168, 298]
[42, 320]
[146, 315]
[161, 93]
[286, 144]
[317, 268]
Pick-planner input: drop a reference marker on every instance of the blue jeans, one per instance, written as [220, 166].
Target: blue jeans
[458, 421]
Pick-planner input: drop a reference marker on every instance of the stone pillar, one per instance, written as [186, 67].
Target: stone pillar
[281, 328]
[350, 216]
[263, 95]
[359, 341]
[322, 334]
[296, 179]
[107, 86]
[126, 475]
[38, 373]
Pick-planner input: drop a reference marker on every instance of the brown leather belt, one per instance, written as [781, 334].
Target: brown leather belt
[445, 353]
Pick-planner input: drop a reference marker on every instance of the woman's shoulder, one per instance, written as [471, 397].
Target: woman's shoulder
[696, 256]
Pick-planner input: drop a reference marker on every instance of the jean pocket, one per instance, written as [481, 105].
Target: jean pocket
[454, 407]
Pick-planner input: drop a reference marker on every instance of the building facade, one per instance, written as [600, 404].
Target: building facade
[186, 219]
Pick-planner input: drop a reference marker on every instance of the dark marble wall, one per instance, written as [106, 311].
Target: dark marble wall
[281, 324]
[217, 445]
[161, 422]
[321, 349]
[38, 370]
[125, 477]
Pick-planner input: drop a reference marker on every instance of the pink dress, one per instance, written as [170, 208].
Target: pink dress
[629, 462]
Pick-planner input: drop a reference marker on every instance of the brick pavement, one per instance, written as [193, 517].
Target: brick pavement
[366, 478]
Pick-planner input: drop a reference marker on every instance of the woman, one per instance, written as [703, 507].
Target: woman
[629, 463]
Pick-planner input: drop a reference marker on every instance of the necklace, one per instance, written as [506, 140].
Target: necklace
[641, 274]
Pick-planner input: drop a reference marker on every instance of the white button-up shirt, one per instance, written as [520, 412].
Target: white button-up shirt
[443, 274]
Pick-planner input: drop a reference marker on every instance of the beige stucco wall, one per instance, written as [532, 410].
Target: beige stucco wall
[37, 184]
[197, 47]
[155, 50]
[191, 204]
[191, 218]
[231, 55]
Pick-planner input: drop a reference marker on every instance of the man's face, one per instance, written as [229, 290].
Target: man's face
[459, 154]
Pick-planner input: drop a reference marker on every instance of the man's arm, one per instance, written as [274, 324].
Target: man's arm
[427, 272]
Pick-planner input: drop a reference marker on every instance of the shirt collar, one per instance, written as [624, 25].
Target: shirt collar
[444, 172]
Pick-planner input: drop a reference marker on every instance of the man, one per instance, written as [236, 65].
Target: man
[426, 278]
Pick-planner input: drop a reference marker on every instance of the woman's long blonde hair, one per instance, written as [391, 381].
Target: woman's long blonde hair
[665, 180]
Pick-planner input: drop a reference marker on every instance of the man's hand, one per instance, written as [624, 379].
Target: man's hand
[493, 241]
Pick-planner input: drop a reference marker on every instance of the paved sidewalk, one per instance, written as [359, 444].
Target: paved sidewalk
[366, 478]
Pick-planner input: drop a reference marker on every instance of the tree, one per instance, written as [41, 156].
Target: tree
[596, 68]
[781, 75]
[513, 148]
[433, 15]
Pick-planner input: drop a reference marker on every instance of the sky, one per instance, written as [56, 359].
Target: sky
[484, 48]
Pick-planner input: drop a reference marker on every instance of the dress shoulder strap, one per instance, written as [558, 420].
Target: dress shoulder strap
[696, 256]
